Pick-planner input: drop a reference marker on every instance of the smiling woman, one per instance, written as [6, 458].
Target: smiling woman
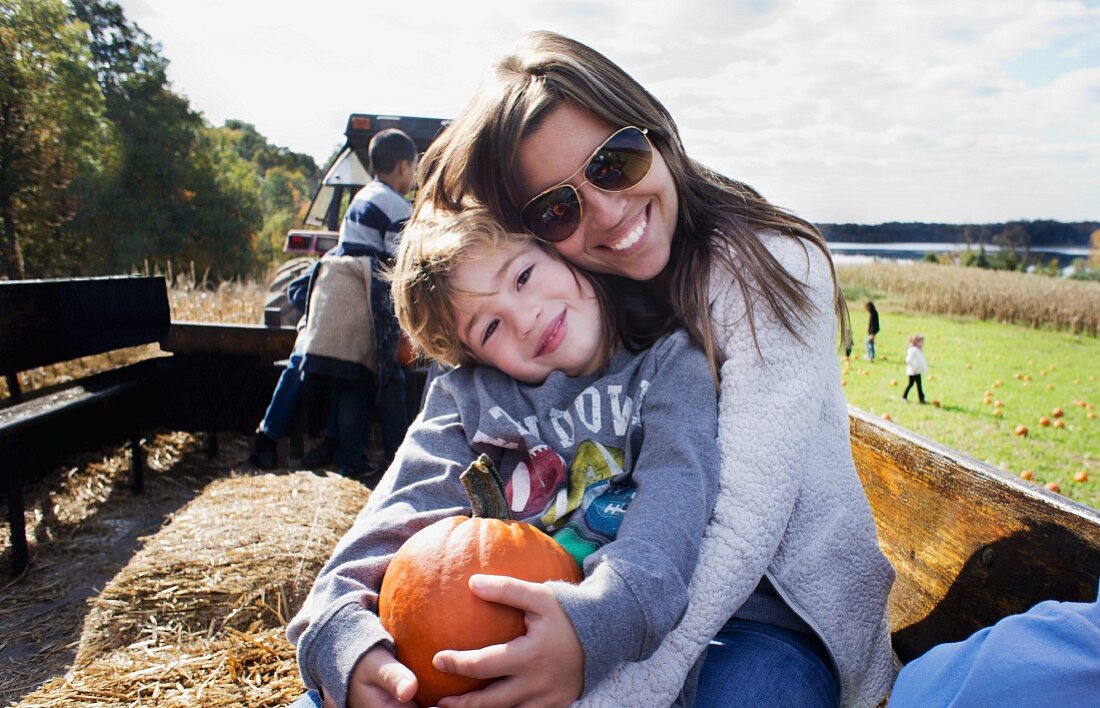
[563, 143]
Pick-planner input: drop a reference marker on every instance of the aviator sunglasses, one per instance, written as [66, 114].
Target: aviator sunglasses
[621, 162]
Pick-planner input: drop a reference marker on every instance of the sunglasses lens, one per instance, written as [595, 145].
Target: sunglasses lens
[555, 215]
[622, 162]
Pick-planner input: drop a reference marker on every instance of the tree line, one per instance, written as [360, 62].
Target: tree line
[1018, 235]
[104, 168]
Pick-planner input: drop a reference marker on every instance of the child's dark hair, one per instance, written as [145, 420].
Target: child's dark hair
[424, 296]
[388, 149]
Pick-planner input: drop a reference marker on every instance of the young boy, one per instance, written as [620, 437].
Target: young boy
[368, 233]
[612, 452]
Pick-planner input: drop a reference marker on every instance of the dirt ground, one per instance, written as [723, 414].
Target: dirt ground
[86, 525]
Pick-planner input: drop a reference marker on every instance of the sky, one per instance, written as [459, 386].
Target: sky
[862, 111]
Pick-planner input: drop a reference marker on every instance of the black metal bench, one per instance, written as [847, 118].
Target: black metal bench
[45, 322]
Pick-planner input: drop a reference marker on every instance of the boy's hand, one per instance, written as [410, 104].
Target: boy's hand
[544, 667]
[380, 680]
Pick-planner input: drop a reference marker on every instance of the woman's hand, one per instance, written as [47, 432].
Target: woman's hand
[380, 680]
[544, 667]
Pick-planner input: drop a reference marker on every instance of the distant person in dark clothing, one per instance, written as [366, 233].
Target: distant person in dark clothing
[872, 330]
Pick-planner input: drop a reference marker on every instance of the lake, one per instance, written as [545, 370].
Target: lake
[850, 252]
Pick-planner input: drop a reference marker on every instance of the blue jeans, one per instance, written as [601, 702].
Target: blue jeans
[870, 348]
[393, 413]
[349, 417]
[284, 400]
[760, 665]
[311, 699]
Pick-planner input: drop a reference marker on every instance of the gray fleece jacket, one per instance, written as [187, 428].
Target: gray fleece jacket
[621, 467]
[790, 503]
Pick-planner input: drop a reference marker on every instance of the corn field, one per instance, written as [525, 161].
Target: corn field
[1001, 296]
[233, 301]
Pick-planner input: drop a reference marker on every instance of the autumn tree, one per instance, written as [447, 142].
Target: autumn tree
[287, 179]
[51, 128]
[175, 193]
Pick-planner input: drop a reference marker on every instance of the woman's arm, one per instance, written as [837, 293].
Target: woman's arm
[771, 405]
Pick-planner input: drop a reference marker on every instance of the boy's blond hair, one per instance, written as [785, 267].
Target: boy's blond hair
[431, 247]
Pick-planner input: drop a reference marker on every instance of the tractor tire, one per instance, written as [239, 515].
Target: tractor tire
[278, 310]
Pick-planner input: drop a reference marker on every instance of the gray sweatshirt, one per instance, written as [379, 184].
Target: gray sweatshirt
[624, 461]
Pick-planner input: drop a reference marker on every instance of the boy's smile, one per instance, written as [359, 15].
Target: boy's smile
[527, 313]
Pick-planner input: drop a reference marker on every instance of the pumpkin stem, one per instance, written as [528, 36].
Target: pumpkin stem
[485, 489]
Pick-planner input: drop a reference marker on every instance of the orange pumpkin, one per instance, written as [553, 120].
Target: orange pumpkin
[426, 603]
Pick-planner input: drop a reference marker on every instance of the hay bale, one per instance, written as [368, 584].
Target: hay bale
[240, 556]
[236, 669]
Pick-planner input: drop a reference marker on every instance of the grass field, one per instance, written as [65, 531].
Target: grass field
[1030, 371]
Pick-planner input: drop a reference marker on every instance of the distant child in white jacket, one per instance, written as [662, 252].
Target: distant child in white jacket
[915, 365]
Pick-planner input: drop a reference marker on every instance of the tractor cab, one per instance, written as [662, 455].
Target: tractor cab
[348, 172]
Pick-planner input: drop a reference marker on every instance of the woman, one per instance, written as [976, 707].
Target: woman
[872, 329]
[791, 584]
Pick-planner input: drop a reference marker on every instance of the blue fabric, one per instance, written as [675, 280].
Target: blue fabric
[297, 292]
[371, 216]
[312, 699]
[761, 665]
[870, 349]
[284, 400]
[349, 417]
[1046, 657]
[394, 412]
[375, 217]
[351, 414]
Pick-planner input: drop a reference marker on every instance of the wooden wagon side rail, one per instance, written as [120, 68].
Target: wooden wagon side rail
[220, 376]
[269, 343]
[970, 543]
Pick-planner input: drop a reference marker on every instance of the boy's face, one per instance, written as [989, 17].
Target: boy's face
[406, 175]
[527, 314]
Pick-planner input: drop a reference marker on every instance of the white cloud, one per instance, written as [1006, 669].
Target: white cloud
[843, 110]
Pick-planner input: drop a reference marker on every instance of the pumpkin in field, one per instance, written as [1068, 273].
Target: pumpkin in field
[426, 603]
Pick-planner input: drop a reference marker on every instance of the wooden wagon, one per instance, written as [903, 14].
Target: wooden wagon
[970, 543]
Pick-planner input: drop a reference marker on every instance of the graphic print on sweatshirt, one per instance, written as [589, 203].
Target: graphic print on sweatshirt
[567, 468]
[581, 509]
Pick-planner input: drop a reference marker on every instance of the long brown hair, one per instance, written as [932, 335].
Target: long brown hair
[719, 219]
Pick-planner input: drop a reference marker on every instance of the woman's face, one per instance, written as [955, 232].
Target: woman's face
[625, 233]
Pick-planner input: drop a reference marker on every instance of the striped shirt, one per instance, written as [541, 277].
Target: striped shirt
[375, 217]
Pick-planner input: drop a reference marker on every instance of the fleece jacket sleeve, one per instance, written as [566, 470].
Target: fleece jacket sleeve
[770, 403]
